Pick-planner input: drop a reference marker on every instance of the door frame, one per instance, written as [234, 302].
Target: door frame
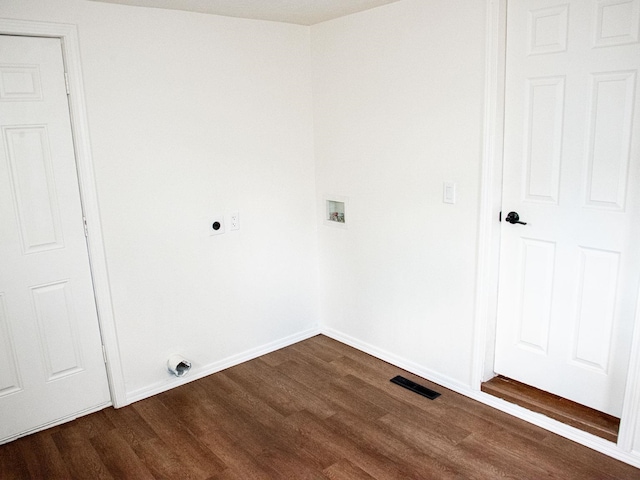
[487, 267]
[68, 36]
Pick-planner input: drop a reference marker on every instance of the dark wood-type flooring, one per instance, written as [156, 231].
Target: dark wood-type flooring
[561, 409]
[314, 410]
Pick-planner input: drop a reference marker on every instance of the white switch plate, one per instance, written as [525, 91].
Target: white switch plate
[234, 220]
[449, 192]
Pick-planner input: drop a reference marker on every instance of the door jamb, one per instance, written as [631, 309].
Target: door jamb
[487, 268]
[68, 35]
[489, 237]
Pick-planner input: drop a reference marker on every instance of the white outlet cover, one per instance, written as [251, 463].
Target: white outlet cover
[234, 221]
[219, 219]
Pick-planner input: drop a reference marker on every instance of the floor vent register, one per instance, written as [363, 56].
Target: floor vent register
[415, 387]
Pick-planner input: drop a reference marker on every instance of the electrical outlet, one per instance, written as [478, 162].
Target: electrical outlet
[216, 225]
[235, 221]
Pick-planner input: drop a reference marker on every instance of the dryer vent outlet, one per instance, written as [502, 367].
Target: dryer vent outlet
[178, 365]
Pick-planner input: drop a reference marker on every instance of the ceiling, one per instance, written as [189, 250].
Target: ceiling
[302, 12]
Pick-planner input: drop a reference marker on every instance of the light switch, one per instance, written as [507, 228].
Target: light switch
[449, 192]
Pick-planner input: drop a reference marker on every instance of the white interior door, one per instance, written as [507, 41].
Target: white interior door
[51, 362]
[568, 278]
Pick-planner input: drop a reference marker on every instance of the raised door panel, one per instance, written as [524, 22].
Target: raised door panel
[20, 83]
[33, 186]
[543, 138]
[617, 22]
[595, 310]
[609, 138]
[56, 319]
[537, 263]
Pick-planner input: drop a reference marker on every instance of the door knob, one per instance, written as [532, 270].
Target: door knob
[513, 217]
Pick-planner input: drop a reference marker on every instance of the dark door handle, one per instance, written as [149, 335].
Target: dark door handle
[513, 217]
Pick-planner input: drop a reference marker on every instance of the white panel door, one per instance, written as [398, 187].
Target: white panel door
[568, 278]
[51, 363]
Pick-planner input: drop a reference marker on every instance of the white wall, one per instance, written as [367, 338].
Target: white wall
[398, 104]
[190, 116]
[193, 115]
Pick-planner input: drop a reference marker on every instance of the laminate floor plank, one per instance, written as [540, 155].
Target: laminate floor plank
[316, 410]
[341, 395]
[80, 457]
[312, 376]
[130, 425]
[278, 357]
[335, 438]
[523, 452]
[42, 457]
[216, 416]
[13, 465]
[266, 429]
[327, 352]
[484, 462]
[424, 433]
[404, 459]
[576, 453]
[163, 461]
[254, 384]
[345, 470]
[233, 451]
[119, 458]
[92, 425]
[290, 385]
[168, 426]
[251, 421]
[289, 466]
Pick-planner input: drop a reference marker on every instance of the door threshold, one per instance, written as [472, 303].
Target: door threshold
[565, 411]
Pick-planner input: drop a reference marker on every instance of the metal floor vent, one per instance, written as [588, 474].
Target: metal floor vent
[415, 387]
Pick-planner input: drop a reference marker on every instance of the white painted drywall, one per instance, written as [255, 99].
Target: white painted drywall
[191, 116]
[398, 105]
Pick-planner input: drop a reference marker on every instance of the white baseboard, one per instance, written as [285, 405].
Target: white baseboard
[220, 365]
[583, 438]
[400, 362]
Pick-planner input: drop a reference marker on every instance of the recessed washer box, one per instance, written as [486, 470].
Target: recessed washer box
[335, 211]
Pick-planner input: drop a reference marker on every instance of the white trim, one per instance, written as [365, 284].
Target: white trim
[490, 194]
[403, 363]
[68, 35]
[205, 370]
[583, 438]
